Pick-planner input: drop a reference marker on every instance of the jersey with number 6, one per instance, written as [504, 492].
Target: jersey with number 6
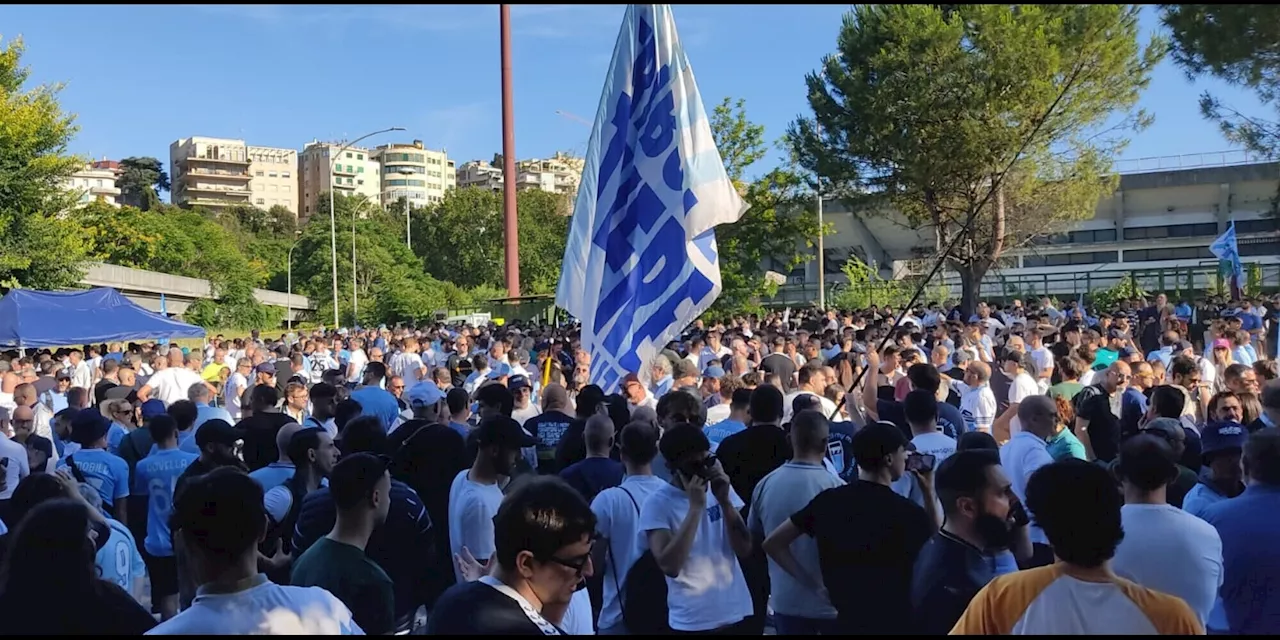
[156, 476]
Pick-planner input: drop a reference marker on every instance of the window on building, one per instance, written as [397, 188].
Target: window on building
[258, 173]
[1172, 231]
[260, 201]
[359, 181]
[1260, 249]
[285, 188]
[348, 154]
[360, 169]
[348, 180]
[359, 156]
[275, 188]
[1167, 253]
[1066, 259]
[1258, 226]
[284, 174]
[272, 174]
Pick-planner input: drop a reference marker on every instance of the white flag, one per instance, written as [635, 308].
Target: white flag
[640, 263]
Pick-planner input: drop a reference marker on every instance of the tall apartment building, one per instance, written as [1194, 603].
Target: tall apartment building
[557, 174]
[96, 181]
[414, 172]
[354, 172]
[274, 177]
[219, 172]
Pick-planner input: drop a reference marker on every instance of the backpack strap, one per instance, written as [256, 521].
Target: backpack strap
[75, 471]
[609, 552]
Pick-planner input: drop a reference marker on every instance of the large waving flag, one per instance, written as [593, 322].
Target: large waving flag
[640, 263]
[1227, 251]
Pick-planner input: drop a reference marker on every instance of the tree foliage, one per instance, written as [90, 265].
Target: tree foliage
[140, 182]
[995, 114]
[778, 228]
[37, 249]
[460, 239]
[1237, 43]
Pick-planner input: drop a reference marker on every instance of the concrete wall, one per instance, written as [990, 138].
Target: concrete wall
[145, 287]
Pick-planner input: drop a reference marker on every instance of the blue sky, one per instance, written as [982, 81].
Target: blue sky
[139, 77]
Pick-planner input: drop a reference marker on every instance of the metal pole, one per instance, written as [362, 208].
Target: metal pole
[408, 227]
[511, 250]
[822, 259]
[288, 303]
[355, 304]
[333, 239]
[333, 223]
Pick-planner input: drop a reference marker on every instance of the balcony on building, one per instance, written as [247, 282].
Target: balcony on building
[193, 173]
[222, 190]
[340, 170]
[222, 160]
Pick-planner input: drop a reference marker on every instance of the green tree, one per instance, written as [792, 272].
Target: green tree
[390, 282]
[460, 239]
[37, 249]
[778, 228]
[140, 182]
[989, 124]
[1237, 43]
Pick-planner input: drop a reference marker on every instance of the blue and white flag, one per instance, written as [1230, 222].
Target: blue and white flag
[640, 263]
[1227, 251]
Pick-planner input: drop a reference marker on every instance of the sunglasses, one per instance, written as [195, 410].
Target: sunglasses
[578, 563]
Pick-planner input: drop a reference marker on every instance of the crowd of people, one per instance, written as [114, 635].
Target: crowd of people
[1027, 469]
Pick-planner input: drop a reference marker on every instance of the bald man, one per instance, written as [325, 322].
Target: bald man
[597, 471]
[551, 425]
[276, 473]
[40, 455]
[1098, 411]
[1025, 453]
[24, 395]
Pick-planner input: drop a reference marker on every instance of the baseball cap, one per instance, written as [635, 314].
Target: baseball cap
[1127, 352]
[62, 375]
[1104, 358]
[713, 371]
[1221, 343]
[1168, 426]
[354, 477]
[152, 408]
[88, 426]
[517, 382]
[1222, 436]
[424, 394]
[504, 432]
[878, 440]
[266, 367]
[1116, 333]
[217, 431]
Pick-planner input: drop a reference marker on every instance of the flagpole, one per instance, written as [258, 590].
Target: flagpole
[511, 248]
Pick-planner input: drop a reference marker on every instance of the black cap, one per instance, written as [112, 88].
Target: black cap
[517, 382]
[62, 375]
[88, 426]
[504, 432]
[217, 431]
[878, 440]
[355, 476]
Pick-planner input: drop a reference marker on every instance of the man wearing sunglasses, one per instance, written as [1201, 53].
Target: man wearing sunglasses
[543, 537]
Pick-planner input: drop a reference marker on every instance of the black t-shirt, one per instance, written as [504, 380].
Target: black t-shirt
[548, 428]
[475, 608]
[108, 611]
[840, 449]
[947, 575]
[868, 540]
[571, 448]
[782, 365]
[1000, 384]
[950, 420]
[260, 431]
[1093, 403]
[751, 454]
[593, 475]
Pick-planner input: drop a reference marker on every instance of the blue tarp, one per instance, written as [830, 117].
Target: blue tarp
[35, 319]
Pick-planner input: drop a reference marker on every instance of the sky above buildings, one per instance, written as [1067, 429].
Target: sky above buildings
[139, 77]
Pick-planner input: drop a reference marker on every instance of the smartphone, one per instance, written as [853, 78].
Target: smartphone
[1018, 513]
[920, 462]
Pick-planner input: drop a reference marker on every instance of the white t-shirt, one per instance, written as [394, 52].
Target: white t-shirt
[17, 466]
[471, 509]
[531, 411]
[358, 359]
[718, 413]
[618, 520]
[828, 407]
[1171, 551]
[577, 618]
[1024, 386]
[264, 609]
[231, 392]
[710, 591]
[172, 384]
[939, 445]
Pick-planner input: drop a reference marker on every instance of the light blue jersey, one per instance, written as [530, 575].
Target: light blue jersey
[119, 560]
[156, 476]
[106, 472]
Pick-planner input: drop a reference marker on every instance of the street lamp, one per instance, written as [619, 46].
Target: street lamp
[333, 220]
[288, 305]
[355, 306]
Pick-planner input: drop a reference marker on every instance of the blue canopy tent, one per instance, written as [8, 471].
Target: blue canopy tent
[36, 319]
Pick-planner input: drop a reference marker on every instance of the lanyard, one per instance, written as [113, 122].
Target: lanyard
[536, 618]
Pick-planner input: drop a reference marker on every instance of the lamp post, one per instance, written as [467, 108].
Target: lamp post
[288, 304]
[333, 220]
